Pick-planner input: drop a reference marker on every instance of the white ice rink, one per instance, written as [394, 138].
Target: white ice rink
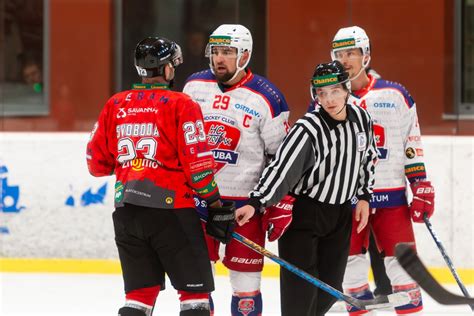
[30, 294]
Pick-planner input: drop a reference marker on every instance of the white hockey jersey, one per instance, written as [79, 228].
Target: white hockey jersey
[398, 140]
[397, 136]
[244, 125]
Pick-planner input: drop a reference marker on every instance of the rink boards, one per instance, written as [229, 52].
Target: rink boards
[55, 217]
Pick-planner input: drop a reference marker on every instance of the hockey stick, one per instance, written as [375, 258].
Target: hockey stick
[412, 264]
[391, 300]
[446, 257]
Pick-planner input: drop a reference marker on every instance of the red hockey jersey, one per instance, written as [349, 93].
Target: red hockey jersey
[153, 139]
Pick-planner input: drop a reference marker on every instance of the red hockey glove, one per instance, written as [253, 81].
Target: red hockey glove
[423, 200]
[277, 218]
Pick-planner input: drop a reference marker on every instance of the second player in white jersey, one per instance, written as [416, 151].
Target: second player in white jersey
[398, 140]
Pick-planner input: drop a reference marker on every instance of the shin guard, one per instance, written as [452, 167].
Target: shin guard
[247, 304]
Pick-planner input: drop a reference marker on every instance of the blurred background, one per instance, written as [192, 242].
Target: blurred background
[60, 60]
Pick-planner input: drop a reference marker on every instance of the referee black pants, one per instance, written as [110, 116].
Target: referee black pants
[317, 242]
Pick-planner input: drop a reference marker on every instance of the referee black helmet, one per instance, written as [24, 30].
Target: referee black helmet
[328, 74]
[153, 53]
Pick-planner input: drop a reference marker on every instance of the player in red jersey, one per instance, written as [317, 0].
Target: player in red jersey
[153, 140]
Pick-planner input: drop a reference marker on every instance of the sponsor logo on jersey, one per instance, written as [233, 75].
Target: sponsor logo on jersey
[343, 43]
[384, 105]
[141, 193]
[416, 138]
[226, 156]
[135, 111]
[419, 152]
[379, 198]
[139, 164]
[246, 109]
[410, 153]
[201, 165]
[196, 177]
[118, 191]
[121, 113]
[414, 168]
[208, 188]
[220, 40]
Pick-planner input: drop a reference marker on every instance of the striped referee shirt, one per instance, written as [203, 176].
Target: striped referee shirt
[321, 158]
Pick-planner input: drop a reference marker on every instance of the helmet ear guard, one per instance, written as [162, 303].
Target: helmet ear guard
[153, 53]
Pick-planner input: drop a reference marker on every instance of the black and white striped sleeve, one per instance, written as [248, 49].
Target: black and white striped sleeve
[293, 158]
[367, 168]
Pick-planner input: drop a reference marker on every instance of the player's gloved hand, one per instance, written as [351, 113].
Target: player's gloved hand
[221, 221]
[423, 200]
[277, 218]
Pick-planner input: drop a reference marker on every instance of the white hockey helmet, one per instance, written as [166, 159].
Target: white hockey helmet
[351, 37]
[232, 35]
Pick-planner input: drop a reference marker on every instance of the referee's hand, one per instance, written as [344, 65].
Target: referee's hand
[362, 214]
[243, 214]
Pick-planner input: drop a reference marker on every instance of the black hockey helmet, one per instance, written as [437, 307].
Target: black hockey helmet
[328, 74]
[153, 53]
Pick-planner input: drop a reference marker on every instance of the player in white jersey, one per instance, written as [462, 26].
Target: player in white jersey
[400, 150]
[246, 119]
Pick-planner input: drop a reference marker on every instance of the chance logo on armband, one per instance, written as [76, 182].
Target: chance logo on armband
[361, 141]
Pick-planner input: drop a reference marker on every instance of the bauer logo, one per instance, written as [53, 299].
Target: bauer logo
[343, 43]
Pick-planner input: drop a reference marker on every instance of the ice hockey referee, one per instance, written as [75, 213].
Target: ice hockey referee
[327, 158]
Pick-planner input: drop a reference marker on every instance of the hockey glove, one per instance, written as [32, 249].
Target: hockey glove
[423, 200]
[221, 221]
[277, 218]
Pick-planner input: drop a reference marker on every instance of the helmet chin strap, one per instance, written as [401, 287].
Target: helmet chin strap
[343, 107]
[345, 104]
[238, 69]
[364, 65]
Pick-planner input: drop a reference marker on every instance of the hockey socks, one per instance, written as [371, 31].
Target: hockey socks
[362, 293]
[247, 304]
[140, 302]
[416, 303]
[194, 304]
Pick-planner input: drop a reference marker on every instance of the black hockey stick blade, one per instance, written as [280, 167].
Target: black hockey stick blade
[412, 264]
[392, 300]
